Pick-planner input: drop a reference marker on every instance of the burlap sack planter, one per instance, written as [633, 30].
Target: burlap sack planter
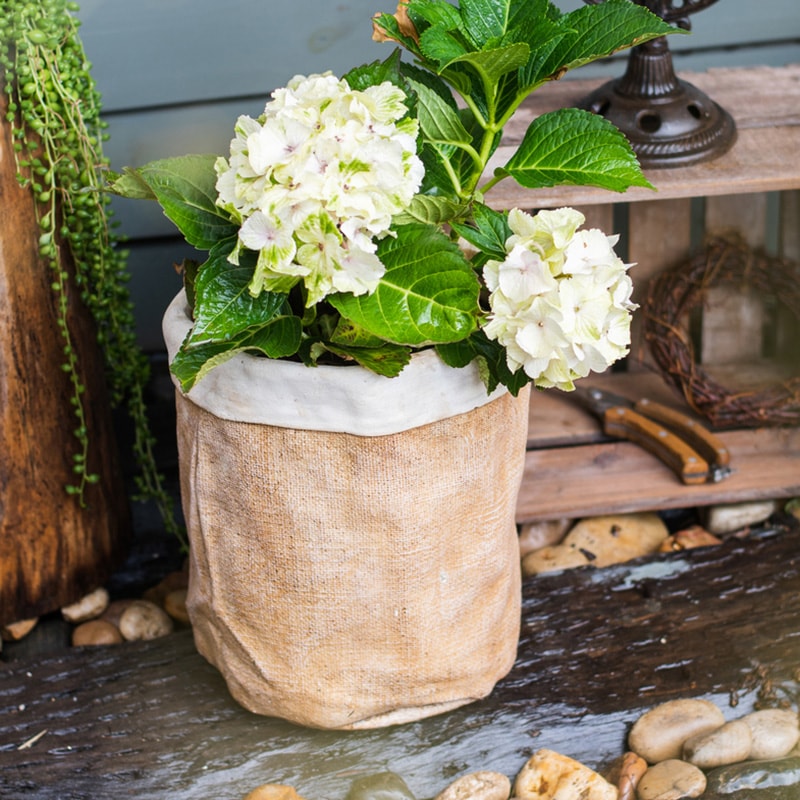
[353, 568]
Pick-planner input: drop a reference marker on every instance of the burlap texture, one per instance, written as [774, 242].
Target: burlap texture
[342, 581]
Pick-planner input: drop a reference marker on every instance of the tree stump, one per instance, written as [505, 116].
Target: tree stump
[52, 550]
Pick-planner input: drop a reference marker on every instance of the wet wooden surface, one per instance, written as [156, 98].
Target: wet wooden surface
[154, 721]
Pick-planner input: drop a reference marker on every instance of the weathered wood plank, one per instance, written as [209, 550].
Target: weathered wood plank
[154, 721]
[620, 477]
[733, 320]
[659, 237]
[763, 102]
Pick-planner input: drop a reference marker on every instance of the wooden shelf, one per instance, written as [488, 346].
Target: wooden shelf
[571, 470]
[764, 102]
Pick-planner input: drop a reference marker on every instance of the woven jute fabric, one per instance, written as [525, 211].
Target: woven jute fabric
[344, 581]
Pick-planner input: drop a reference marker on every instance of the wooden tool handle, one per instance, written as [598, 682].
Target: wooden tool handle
[625, 423]
[709, 446]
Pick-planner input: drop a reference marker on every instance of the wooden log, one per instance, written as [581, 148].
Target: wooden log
[52, 550]
[153, 720]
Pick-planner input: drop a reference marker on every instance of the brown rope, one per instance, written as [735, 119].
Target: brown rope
[675, 293]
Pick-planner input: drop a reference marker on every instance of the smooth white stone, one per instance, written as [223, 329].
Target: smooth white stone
[659, 734]
[774, 731]
[724, 519]
[726, 745]
[672, 779]
[482, 785]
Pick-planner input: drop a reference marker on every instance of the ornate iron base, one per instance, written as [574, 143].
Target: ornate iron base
[668, 121]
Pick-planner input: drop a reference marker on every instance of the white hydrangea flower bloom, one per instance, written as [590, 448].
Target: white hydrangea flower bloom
[560, 303]
[316, 180]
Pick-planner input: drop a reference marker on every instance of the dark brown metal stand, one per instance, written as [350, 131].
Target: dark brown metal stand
[668, 121]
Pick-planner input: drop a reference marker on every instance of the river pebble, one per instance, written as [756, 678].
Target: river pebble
[689, 538]
[90, 606]
[15, 631]
[95, 632]
[175, 606]
[659, 733]
[727, 519]
[616, 538]
[752, 776]
[143, 620]
[548, 775]
[727, 744]
[542, 533]
[672, 779]
[273, 791]
[380, 786]
[551, 559]
[483, 785]
[774, 732]
[625, 773]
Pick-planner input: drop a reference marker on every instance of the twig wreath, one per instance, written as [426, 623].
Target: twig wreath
[724, 261]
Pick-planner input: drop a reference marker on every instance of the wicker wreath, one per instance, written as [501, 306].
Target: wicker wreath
[675, 293]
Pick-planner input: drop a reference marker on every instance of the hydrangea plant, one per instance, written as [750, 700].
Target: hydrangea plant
[349, 222]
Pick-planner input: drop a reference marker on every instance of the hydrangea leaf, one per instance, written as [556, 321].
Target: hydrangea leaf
[376, 72]
[439, 121]
[278, 338]
[496, 62]
[597, 31]
[224, 306]
[574, 147]
[426, 13]
[491, 360]
[488, 233]
[387, 360]
[430, 209]
[429, 293]
[185, 188]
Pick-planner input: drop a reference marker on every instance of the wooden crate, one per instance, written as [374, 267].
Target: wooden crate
[572, 470]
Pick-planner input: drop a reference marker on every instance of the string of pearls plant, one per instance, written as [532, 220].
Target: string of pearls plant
[54, 112]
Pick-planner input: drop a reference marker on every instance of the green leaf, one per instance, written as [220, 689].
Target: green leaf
[597, 31]
[574, 147]
[439, 121]
[347, 334]
[224, 306]
[434, 12]
[129, 184]
[492, 363]
[390, 27]
[377, 72]
[429, 293]
[429, 209]
[387, 360]
[484, 20]
[189, 269]
[185, 187]
[439, 46]
[489, 232]
[279, 338]
[540, 63]
[494, 63]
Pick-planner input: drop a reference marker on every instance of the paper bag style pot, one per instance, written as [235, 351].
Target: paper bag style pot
[354, 557]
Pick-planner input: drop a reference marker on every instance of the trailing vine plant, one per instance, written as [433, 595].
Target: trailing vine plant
[53, 109]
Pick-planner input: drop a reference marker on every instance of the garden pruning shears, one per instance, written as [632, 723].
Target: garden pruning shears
[692, 451]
